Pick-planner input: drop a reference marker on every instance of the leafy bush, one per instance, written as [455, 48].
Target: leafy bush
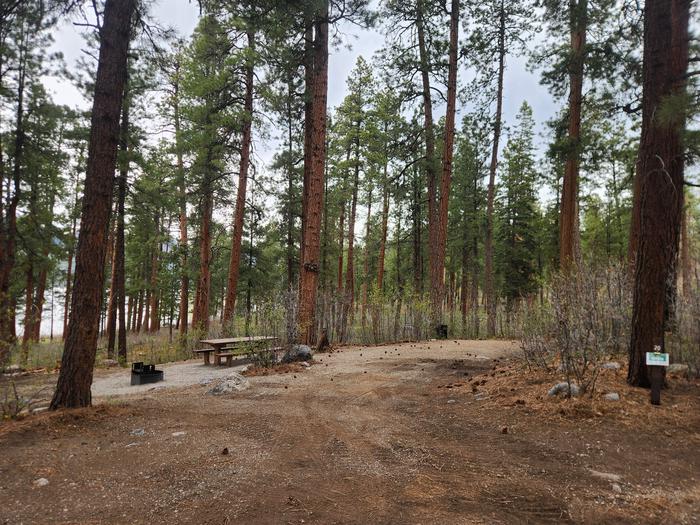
[585, 321]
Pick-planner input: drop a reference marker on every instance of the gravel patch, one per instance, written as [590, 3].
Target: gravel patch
[175, 375]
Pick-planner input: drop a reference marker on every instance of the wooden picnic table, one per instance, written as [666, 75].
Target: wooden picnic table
[226, 347]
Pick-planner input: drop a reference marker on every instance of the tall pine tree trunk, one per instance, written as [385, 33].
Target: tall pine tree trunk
[437, 268]
[568, 220]
[489, 288]
[200, 315]
[430, 161]
[313, 197]
[235, 261]
[75, 378]
[309, 75]
[661, 165]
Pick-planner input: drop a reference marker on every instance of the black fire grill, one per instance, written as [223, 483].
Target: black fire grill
[142, 374]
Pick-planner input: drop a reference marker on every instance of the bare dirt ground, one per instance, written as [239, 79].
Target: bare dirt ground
[425, 433]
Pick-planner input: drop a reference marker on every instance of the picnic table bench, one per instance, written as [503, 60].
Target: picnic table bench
[226, 348]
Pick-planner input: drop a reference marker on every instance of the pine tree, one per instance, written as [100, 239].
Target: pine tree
[661, 177]
[210, 92]
[508, 24]
[75, 379]
[518, 214]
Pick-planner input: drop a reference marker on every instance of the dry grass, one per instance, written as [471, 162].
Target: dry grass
[511, 383]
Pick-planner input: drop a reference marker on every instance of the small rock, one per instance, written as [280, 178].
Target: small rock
[617, 488]
[450, 401]
[607, 476]
[305, 364]
[41, 482]
[611, 365]
[504, 430]
[138, 432]
[233, 383]
[563, 388]
[297, 353]
[612, 396]
[132, 445]
[177, 434]
[206, 380]
[225, 451]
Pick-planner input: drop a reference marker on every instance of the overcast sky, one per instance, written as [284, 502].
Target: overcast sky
[183, 15]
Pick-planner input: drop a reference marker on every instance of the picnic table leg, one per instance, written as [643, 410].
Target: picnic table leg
[206, 358]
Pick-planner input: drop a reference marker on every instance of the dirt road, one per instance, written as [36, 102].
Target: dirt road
[412, 433]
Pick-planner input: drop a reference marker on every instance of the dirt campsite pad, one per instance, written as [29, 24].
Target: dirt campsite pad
[440, 432]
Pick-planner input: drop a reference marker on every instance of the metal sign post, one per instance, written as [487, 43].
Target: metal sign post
[656, 361]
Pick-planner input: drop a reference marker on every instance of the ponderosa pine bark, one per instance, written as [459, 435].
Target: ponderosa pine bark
[568, 217]
[489, 287]
[313, 197]
[235, 260]
[75, 378]
[660, 173]
[431, 163]
[309, 75]
[200, 314]
[438, 266]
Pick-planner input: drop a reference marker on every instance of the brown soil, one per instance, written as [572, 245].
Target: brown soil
[414, 433]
